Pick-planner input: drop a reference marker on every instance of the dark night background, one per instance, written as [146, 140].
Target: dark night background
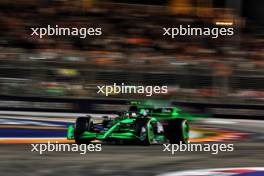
[251, 9]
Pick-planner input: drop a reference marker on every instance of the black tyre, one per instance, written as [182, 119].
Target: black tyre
[82, 124]
[143, 131]
[177, 131]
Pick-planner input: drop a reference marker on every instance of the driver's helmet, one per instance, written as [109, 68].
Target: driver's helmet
[133, 109]
[131, 114]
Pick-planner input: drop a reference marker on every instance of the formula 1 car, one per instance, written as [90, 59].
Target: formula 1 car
[140, 125]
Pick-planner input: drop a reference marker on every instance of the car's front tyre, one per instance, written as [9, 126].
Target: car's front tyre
[82, 124]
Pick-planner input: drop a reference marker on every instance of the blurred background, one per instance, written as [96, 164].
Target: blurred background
[132, 49]
[45, 84]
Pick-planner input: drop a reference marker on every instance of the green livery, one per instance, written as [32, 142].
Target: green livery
[141, 124]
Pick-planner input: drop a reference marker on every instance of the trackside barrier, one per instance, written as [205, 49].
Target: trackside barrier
[86, 105]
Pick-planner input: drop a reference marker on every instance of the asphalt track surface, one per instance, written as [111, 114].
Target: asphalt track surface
[17, 159]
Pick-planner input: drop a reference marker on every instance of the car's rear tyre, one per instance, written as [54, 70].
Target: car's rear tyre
[144, 130]
[82, 124]
[177, 131]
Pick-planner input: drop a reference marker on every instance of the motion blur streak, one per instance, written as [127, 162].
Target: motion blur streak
[216, 78]
[52, 129]
[250, 147]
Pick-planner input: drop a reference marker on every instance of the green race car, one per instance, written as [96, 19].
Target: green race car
[140, 125]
